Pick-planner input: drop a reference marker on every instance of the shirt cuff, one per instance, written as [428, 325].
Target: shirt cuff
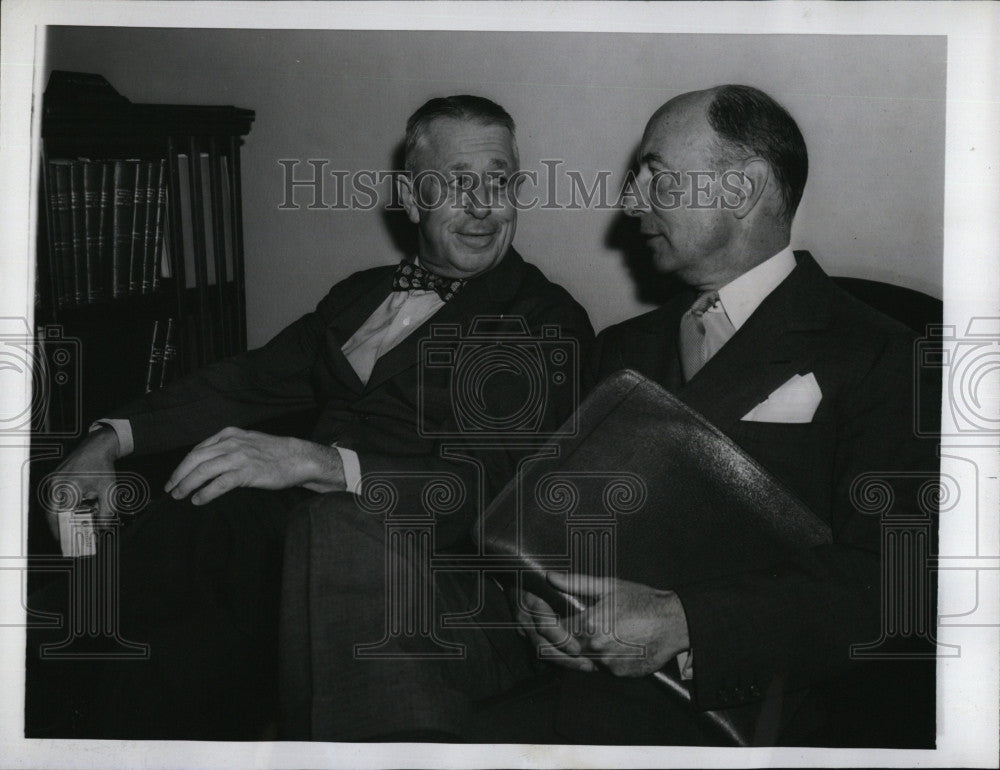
[123, 430]
[685, 661]
[352, 469]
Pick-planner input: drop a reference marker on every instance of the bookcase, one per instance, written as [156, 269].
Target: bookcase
[140, 243]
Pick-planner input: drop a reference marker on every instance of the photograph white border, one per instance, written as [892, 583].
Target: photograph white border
[968, 686]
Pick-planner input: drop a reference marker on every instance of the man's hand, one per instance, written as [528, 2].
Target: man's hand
[622, 614]
[241, 458]
[90, 469]
[548, 634]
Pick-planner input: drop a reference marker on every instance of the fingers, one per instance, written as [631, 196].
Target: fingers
[191, 462]
[205, 472]
[551, 654]
[200, 453]
[545, 629]
[535, 613]
[534, 604]
[550, 651]
[218, 486]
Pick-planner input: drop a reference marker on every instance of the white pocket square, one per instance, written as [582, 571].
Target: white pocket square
[794, 402]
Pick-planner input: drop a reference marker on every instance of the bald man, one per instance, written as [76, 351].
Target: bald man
[814, 385]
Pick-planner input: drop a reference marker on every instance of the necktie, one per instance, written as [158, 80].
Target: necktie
[704, 328]
[410, 277]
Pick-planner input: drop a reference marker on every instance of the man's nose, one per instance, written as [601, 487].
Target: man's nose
[634, 204]
[633, 199]
[477, 203]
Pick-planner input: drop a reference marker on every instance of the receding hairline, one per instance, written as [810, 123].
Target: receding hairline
[744, 121]
[688, 100]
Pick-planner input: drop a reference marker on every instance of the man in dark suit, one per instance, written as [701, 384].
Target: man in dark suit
[200, 570]
[811, 383]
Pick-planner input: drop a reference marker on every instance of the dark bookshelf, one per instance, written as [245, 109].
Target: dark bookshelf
[193, 269]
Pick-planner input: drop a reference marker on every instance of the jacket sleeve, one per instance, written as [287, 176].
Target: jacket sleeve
[266, 382]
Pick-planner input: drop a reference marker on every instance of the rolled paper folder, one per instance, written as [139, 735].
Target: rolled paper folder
[647, 490]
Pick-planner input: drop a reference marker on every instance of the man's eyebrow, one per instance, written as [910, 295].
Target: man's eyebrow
[462, 167]
[499, 164]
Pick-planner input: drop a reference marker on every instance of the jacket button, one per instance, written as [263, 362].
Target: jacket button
[754, 691]
[722, 695]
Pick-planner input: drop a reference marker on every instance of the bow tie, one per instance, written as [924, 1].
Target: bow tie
[411, 277]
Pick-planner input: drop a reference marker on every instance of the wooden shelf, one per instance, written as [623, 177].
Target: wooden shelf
[83, 117]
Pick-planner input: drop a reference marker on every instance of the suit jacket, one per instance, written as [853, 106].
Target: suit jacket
[793, 625]
[303, 367]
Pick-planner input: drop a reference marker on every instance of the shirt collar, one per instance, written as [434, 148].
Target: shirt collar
[742, 296]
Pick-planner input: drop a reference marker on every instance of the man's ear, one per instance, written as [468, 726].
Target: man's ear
[404, 188]
[753, 180]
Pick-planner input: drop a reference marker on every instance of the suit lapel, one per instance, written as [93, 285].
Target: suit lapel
[487, 294]
[657, 349]
[774, 344]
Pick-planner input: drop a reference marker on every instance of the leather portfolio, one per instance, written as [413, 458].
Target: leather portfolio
[646, 490]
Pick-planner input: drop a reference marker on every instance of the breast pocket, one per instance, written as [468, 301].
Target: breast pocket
[800, 455]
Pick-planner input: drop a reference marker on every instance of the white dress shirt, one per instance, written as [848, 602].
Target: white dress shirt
[742, 296]
[391, 322]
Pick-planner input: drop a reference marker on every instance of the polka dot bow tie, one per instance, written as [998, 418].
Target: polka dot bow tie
[411, 277]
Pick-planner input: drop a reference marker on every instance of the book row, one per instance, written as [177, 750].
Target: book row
[107, 221]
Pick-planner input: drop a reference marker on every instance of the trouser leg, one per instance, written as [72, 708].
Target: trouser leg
[200, 586]
[354, 665]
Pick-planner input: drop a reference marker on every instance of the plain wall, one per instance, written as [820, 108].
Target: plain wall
[871, 108]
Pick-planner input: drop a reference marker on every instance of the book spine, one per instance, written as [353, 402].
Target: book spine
[104, 229]
[138, 226]
[148, 234]
[121, 225]
[64, 240]
[56, 243]
[78, 218]
[160, 225]
[92, 173]
[153, 368]
[166, 265]
[169, 354]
